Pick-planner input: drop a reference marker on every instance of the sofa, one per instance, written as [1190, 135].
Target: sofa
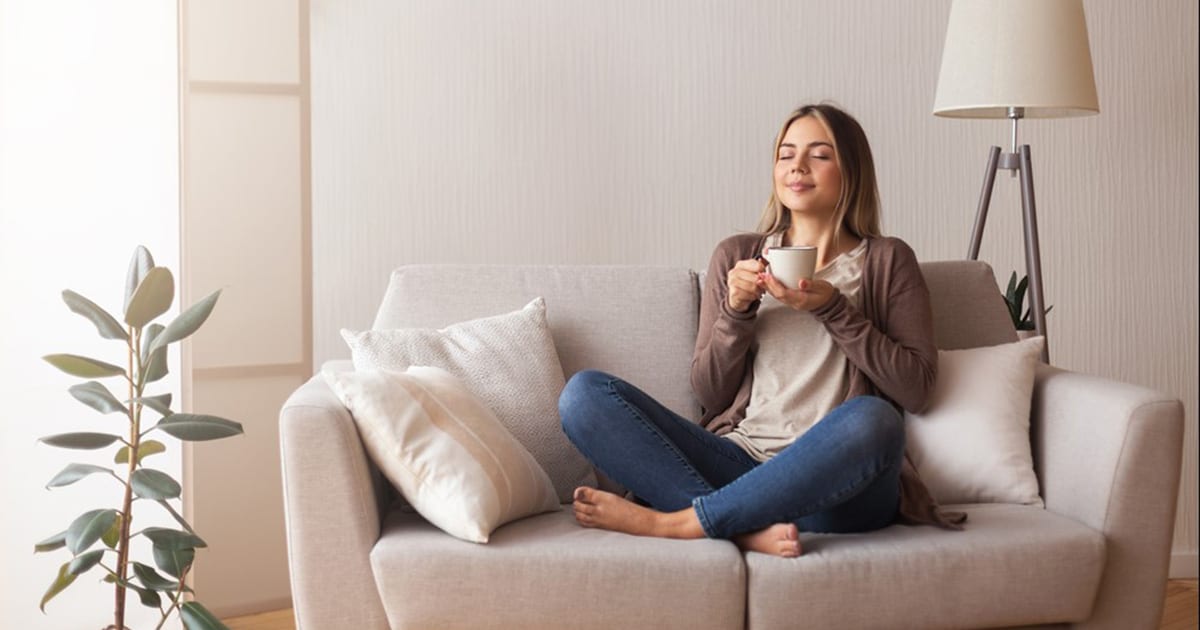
[1106, 454]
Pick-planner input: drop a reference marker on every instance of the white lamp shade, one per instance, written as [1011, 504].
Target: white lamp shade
[1016, 53]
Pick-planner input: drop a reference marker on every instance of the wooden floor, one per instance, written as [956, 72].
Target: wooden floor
[1180, 612]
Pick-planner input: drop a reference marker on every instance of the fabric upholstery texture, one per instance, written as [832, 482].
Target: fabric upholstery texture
[968, 309]
[972, 444]
[1012, 565]
[548, 572]
[509, 362]
[444, 450]
[636, 321]
[331, 492]
[1107, 456]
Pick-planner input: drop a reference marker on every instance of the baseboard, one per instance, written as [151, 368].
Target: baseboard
[262, 606]
[1183, 566]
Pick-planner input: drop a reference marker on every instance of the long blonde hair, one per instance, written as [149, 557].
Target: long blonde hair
[858, 204]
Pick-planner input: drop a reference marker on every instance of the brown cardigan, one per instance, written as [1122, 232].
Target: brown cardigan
[889, 344]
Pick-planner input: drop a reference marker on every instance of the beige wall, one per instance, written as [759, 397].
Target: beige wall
[631, 132]
[244, 97]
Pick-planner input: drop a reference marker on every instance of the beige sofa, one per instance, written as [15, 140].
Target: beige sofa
[1107, 456]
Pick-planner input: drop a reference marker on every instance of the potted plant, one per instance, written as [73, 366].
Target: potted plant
[99, 538]
[1014, 297]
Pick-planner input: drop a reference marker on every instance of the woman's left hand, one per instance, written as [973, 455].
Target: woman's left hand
[809, 296]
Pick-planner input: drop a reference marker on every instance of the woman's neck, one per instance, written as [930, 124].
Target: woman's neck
[830, 244]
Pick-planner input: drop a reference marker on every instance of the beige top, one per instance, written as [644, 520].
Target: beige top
[799, 371]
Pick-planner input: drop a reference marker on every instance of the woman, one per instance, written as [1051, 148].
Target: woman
[802, 387]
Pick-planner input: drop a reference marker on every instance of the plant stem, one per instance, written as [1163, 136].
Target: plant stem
[175, 599]
[135, 412]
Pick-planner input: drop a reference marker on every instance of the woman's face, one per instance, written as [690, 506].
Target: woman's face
[808, 177]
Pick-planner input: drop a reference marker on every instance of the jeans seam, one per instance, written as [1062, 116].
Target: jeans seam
[654, 430]
[702, 516]
[853, 490]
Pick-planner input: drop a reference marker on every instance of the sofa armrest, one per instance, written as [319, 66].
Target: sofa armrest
[332, 510]
[1108, 455]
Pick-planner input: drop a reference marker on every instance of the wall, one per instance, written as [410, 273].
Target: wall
[627, 132]
[244, 133]
[88, 170]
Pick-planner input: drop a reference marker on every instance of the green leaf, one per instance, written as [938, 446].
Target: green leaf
[196, 617]
[152, 579]
[60, 584]
[97, 397]
[106, 324]
[57, 541]
[173, 538]
[113, 536]
[83, 441]
[174, 561]
[154, 363]
[198, 428]
[160, 403]
[139, 265]
[150, 599]
[188, 322]
[73, 473]
[154, 484]
[84, 562]
[157, 367]
[88, 528]
[83, 367]
[152, 298]
[145, 449]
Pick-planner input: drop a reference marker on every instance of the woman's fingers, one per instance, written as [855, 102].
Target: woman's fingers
[743, 283]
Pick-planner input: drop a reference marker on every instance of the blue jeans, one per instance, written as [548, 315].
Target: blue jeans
[842, 475]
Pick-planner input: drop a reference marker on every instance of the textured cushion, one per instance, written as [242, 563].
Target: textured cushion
[972, 444]
[548, 572]
[446, 452]
[968, 309]
[638, 322]
[509, 362]
[1012, 565]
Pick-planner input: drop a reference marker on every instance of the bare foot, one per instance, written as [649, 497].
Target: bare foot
[605, 510]
[780, 539]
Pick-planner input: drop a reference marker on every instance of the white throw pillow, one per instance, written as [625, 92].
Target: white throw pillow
[509, 362]
[972, 444]
[444, 450]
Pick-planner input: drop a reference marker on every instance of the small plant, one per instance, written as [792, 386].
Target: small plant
[1014, 296]
[100, 537]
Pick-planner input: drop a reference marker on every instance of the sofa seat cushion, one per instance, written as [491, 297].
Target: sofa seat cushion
[1012, 565]
[546, 571]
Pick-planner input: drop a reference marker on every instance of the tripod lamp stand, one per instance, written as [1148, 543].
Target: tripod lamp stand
[1014, 59]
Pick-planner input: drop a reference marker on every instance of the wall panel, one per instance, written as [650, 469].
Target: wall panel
[245, 231]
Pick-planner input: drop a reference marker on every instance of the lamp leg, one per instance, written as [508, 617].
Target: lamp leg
[1033, 258]
[985, 198]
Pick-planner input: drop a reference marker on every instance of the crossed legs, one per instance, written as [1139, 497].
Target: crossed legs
[843, 475]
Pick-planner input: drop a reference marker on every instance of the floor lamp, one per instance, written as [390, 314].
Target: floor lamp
[1015, 59]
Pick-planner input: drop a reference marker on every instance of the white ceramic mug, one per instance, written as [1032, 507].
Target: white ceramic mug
[791, 264]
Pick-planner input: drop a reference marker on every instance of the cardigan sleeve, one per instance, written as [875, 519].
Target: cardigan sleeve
[724, 338]
[899, 356]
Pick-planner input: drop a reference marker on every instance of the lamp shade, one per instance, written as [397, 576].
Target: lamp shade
[1016, 53]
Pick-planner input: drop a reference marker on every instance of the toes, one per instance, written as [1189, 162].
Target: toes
[584, 494]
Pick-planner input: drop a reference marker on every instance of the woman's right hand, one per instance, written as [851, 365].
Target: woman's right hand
[744, 286]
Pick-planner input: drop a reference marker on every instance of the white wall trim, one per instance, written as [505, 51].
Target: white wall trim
[1183, 565]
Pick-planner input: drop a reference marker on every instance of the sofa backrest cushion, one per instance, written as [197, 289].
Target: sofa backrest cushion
[968, 309]
[636, 322]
